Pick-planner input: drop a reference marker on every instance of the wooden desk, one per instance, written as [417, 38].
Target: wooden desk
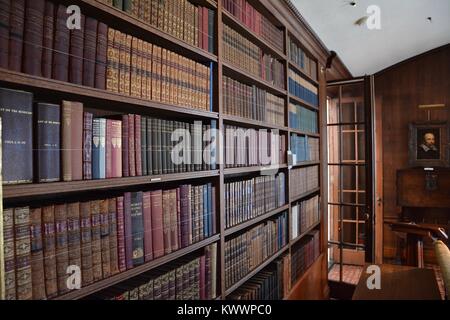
[400, 283]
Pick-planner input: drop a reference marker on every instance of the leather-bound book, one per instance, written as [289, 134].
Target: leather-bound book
[127, 63]
[47, 142]
[90, 51]
[139, 68]
[121, 234]
[24, 288]
[131, 145]
[125, 147]
[134, 67]
[72, 140]
[47, 41]
[9, 254]
[99, 148]
[137, 144]
[173, 219]
[157, 223]
[60, 68]
[166, 221]
[86, 243]
[120, 40]
[128, 230]
[37, 255]
[104, 222]
[62, 253]
[5, 9]
[112, 216]
[49, 242]
[112, 65]
[143, 50]
[17, 136]
[143, 149]
[184, 215]
[118, 4]
[16, 31]
[33, 35]
[137, 228]
[96, 246]
[73, 234]
[147, 215]
[149, 145]
[76, 53]
[87, 145]
[113, 148]
[211, 30]
[101, 56]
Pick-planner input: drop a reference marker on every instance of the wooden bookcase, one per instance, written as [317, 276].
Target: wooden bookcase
[313, 283]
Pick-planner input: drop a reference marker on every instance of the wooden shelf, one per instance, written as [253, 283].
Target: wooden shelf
[305, 133]
[102, 284]
[38, 189]
[241, 170]
[252, 123]
[294, 241]
[305, 164]
[94, 97]
[303, 195]
[256, 270]
[238, 26]
[297, 68]
[244, 76]
[118, 18]
[302, 102]
[254, 221]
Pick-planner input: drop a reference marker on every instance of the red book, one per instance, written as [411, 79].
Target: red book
[179, 216]
[157, 224]
[16, 24]
[60, 67]
[47, 52]
[128, 230]
[33, 35]
[200, 28]
[90, 51]
[121, 235]
[76, 54]
[147, 213]
[100, 65]
[113, 148]
[137, 144]
[125, 147]
[131, 146]
[205, 28]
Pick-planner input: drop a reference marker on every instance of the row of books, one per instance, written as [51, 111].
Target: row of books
[255, 21]
[251, 102]
[70, 144]
[247, 199]
[305, 214]
[303, 180]
[247, 251]
[304, 254]
[272, 283]
[303, 89]
[304, 148]
[100, 237]
[302, 118]
[246, 147]
[37, 41]
[247, 56]
[140, 69]
[184, 279]
[180, 18]
[297, 55]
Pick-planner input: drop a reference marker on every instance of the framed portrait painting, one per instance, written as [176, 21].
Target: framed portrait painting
[428, 144]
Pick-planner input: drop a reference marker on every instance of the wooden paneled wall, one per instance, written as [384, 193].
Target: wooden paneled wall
[399, 91]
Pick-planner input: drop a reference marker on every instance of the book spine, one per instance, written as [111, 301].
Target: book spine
[113, 58]
[17, 21]
[102, 56]
[49, 242]
[157, 224]
[147, 216]
[9, 254]
[113, 243]
[60, 66]
[144, 146]
[76, 53]
[116, 144]
[121, 234]
[138, 145]
[150, 145]
[73, 234]
[96, 246]
[62, 254]
[104, 236]
[125, 147]
[108, 149]
[137, 228]
[87, 145]
[37, 255]
[90, 52]
[128, 230]
[173, 219]
[5, 9]
[166, 221]
[131, 145]
[33, 36]
[86, 242]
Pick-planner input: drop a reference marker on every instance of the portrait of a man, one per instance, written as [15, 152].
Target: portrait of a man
[428, 147]
[428, 144]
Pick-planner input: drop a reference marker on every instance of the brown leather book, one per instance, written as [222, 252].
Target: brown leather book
[96, 241]
[173, 219]
[60, 67]
[37, 255]
[49, 243]
[157, 223]
[47, 42]
[113, 253]
[33, 35]
[72, 140]
[127, 67]
[104, 221]
[119, 44]
[73, 234]
[147, 215]
[62, 253]
[164, 95]
[9, 254]
[148, 54]
[24, 288]
[166, 221]
[143, 54]
[134, 67]
[89, 51]
[76, 53]
[86, 242]
[16, 30]
[156, 73]
[121, 234]
[139, 69]
[112, 71]
[101, 56]
[5, 9]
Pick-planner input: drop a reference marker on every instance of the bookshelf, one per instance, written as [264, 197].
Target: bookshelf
[291, 26]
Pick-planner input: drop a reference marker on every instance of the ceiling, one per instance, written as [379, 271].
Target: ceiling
[405, 30]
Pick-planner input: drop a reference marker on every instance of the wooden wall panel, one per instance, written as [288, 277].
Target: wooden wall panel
[424, 79]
